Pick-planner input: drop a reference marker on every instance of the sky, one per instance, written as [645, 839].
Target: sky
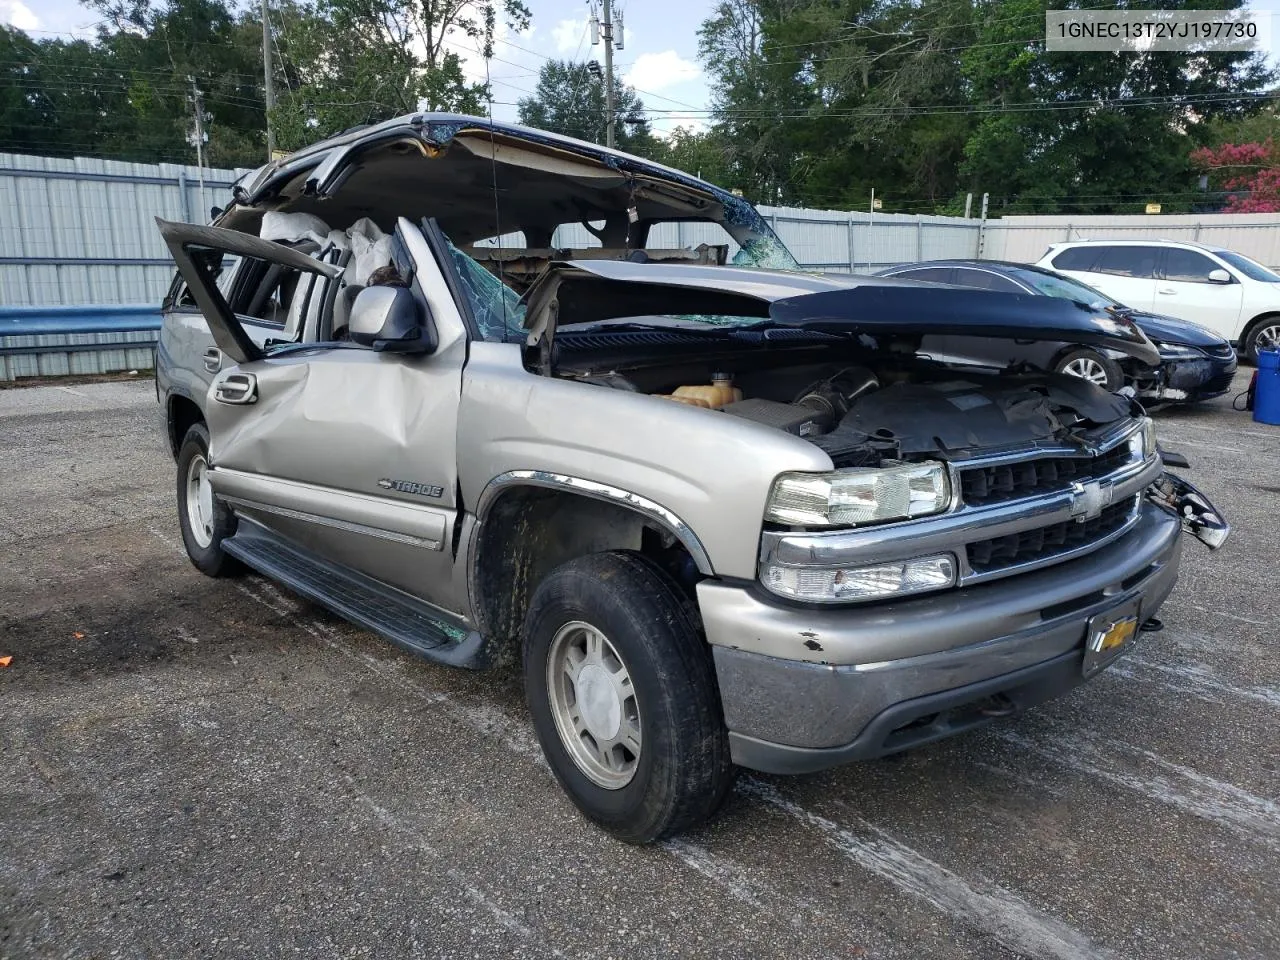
[659, 55]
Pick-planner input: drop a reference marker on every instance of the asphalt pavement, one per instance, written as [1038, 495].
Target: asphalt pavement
[200, 768]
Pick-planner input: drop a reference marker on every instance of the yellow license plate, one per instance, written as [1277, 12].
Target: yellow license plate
[1108, 635]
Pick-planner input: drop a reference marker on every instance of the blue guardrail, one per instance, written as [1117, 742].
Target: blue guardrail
[98, 318]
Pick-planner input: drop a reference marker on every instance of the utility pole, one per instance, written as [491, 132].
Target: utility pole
[982, 227]
[198, 138]
[606, 33]
[268, 80]
[871, 215]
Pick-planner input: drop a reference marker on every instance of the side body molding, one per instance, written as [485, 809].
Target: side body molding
[597, 491]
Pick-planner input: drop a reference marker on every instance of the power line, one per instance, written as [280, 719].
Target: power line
[1037, 16]
[586, 27]
[912, 110]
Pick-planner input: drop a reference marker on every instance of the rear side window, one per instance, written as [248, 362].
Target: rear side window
[1076, 258]
[1138, 262]
[270, 296]
[986, 280]
[180, 294]
[930, 274]
[1187, 265]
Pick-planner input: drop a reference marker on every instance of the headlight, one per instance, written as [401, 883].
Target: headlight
[850, 497]
[1143, 442]
[1177, 351]
[862, 583]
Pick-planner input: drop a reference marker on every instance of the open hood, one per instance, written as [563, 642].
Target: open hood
[1173, 330]
[874, 307]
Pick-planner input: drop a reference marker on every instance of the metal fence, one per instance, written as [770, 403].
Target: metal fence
[81, 233]
[82, 266]
[1256, 235]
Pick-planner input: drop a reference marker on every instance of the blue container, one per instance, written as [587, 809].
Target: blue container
[1266, 402]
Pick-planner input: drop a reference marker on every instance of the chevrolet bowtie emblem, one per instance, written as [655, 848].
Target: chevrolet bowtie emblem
[1088, 499]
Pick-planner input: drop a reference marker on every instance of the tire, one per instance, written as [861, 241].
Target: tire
[1265, 333]
[1090, 365]
[681, 772]
[203, 542]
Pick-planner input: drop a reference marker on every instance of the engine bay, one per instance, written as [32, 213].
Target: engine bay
[881, 409]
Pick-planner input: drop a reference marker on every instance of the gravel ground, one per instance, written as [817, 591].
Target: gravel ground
[191, 768]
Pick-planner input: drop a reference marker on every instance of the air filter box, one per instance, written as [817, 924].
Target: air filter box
[794, 418]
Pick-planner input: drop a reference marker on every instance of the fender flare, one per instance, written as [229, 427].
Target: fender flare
[650, 510]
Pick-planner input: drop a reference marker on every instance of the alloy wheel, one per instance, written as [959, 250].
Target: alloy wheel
[199, 501]
[1087, 368]
[593, 702]
[1268, 337]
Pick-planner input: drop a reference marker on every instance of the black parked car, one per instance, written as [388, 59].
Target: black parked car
[1195, 364]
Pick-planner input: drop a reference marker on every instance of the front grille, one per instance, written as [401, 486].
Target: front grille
[980, 486]
[1219, 384]
[1030, 546]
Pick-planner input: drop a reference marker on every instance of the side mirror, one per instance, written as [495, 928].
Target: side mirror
[388, 319]
[1219, 276]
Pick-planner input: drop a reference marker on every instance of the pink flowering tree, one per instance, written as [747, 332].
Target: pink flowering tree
[1253, 169]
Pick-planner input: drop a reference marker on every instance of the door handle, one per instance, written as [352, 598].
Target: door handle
[213, 359]
[1167, 291]
[238, 388]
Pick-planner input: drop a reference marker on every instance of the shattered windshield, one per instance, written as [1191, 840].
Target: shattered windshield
[495, 301]
[765, 253]
[497, 308]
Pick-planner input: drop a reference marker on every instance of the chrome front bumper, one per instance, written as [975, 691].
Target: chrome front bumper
[805, 688]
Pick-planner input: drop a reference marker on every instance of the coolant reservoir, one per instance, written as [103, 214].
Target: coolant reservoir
[720, 392]
[689, 401]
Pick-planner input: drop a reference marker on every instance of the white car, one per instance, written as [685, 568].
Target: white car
[1222, 290]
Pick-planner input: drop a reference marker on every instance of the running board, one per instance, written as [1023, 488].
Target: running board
[408, 623]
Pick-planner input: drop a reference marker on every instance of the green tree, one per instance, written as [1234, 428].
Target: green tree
[392, 59]
[817, 101]
[28, 100]
[699, 152]
[1093, 132]
[753, 103]
[339, 63]
[570, 100]
[145, 57]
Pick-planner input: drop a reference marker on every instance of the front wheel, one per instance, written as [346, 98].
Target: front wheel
[1264, 335]
[1092, 366]
[622, 692]
[204, 519]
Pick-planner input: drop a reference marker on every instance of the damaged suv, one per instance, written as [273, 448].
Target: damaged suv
[473, 387]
